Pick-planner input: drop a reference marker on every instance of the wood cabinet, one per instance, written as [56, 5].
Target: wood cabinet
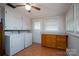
[61, 41]
[54, 41]
[1, 30]
[1, 41]
[49, 40]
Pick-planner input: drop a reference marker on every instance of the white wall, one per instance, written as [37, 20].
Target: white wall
[61, 24]
[73, 45]
[37, 33]
[73, 33]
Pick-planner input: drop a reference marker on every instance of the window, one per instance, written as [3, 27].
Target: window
[37, 25]
[51, 25]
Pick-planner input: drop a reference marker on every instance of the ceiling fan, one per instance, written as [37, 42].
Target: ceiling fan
[28, 6]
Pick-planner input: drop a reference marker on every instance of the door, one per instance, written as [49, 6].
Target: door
[37, 29]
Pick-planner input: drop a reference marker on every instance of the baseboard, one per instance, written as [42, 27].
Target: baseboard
[36, 43]
[68, 54]
[71, 53]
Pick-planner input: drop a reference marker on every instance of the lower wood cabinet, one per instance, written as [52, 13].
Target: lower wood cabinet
[61, 41]
[54, 41]
[1, 43]
[1, 39]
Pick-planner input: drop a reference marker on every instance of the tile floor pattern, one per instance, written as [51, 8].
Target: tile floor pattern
[38, 50]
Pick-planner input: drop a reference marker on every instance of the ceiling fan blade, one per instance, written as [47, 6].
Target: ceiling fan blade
[10, 5]
[20, 5]
[37, 8]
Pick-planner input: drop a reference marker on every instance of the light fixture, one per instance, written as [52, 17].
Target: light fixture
[28, 7]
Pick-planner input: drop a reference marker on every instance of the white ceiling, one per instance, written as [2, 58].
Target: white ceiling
[47, 9]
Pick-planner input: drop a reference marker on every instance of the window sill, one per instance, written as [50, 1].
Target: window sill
[74, 34]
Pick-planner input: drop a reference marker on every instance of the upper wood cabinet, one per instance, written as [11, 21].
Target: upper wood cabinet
[1, 43]
[14, 20]
[1, 30]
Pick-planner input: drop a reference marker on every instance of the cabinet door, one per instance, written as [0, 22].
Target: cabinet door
[49, 41]
[43, 37]
[17, 43]
[26, 23]
[61, 38]
[61, 42]
[21, 41]
[18, 21]
[0, 40]
[8, 21]
[0, 44]
[12, 19]
[61, 45]
[28, 39]
[1, 49]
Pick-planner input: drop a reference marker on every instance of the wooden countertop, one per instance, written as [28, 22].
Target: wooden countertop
[55, 33]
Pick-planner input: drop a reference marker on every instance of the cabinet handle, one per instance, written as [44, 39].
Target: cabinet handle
[18, 32]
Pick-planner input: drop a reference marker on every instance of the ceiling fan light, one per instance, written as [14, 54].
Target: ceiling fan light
[28, 7]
